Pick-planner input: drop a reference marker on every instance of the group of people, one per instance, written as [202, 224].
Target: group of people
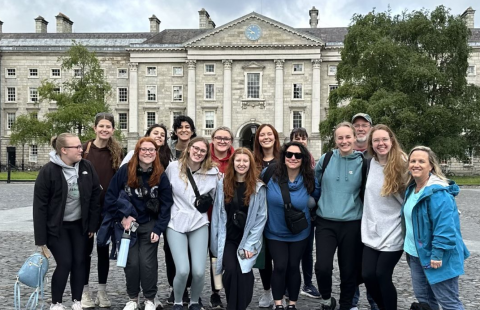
[367, 200]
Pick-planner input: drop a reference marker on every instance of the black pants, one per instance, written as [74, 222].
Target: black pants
[170, 264]
[69, 250]
[142, 264]
[103, 265]
[307, 258]
[286, 267]
[377, 270]
[345, 236]
[238, 285]
[266, 273]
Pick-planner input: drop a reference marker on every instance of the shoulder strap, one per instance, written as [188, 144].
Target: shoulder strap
[85, 154]
[285, 194]
[325, 162]
[268, 173]
[365, 170]
[192, 182]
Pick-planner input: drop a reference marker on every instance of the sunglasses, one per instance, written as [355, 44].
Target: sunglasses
[104, 115]
[291, 154]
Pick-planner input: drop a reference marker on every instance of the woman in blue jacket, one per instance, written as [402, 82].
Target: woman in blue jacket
[286, 247]
[238, 219]
[433, 241]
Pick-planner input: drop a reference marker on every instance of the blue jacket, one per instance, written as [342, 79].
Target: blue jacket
[436, 229]
[276, 227]
[252, 235]
[341, 186]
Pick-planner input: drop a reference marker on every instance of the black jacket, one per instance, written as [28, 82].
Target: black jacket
[50, 197]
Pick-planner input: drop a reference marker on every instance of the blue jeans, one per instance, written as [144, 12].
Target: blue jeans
[444, 293]
[356, 298]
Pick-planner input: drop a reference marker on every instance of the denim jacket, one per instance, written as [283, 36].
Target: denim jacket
[252, 235]
[436, 229]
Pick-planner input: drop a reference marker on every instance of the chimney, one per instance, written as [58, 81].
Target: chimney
[469, 17]
[211, 24]
[154, 24]
[203, 19]
[64, 24]
[313, 17]
[40, 25]
[1, 23]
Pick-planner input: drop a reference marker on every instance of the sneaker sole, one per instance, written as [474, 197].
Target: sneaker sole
[309, 295]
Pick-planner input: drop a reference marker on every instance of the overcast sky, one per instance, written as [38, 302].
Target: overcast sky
[132, 15]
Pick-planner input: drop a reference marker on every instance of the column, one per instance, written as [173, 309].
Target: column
[279, 95]
[227, 93]
[191, 89]
[316, 96]
[132, 106]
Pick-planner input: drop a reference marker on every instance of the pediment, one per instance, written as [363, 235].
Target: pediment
[253, 66]
[273, 34]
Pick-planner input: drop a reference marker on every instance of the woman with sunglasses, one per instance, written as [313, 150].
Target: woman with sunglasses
[140, 193]
[105, 154]
[193, 178]
[293, 176]
[66, 214]
[238, 219]
[266, 151]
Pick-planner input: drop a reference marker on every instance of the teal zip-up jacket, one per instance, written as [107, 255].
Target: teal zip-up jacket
[436, 229]
[341, 185]
[253, 232]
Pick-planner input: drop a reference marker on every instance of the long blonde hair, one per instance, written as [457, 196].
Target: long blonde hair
[206, 165]
[395, 170]
[432, 158]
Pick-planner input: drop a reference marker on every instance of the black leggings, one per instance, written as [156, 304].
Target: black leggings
[103, 265]
[286, 261]
[69, 250]
[266, 272]
[377, 270]
[238, 285]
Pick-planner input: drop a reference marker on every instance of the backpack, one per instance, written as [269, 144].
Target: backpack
[32, 274]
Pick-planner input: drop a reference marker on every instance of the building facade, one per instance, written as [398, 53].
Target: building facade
[250, 71]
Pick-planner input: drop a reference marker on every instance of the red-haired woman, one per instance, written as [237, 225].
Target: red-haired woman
[140, 192]
[238, 218]
[266, 150]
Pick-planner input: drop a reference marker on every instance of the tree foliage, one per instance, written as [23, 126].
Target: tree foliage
[408, 71]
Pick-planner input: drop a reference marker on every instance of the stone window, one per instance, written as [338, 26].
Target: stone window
[151, 119]
[57, 90]
[332, 87]
[177, 71]
[332, 70]
[77, 73]
[122, 94]
[209, 123]
[151, 93]
[210, 91]
[11, 73]
[10, 120]
[151, 71]
[209, 68]
[33, 153]
[11, 94]
[33, 96]
[177, 93]
[56, 73]
[122, 121]
[471, 71]
[122, 73]
[297, 91]
[297, 68]
[33, 73]
[253, 85]
[297, 119]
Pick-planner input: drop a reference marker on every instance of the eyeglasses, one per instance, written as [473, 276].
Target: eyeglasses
[384, 140]
[291, 154]
[147, 150]
[78, 147]
[199, 150]
[357, 126]
[220, 139]
[104, 114]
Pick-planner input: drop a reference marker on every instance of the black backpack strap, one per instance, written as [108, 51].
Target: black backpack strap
[192, 182]
[365, 170]
[285, 194]
[325, 162]
[267, 175]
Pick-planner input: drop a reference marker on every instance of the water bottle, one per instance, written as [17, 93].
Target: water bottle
[124, 247]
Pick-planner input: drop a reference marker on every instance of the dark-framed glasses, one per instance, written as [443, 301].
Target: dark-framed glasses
[199, 150]
[78, 147]
[148, 150]
[291, 154]
[224, 139]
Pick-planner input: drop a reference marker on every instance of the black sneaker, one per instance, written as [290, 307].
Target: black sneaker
[279, 307]
[185, 298]
[216, 301]
[333, 304]
[195, 307]
[200, 303]
[177, 307]
[171, 298]
[291, 307]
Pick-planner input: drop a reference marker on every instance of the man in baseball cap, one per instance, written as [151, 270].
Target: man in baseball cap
[362, 123]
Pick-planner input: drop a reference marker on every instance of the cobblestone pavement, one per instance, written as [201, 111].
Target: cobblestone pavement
[16, 232]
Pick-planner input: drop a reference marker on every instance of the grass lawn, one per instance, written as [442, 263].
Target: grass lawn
[475, 180]
[19, 175]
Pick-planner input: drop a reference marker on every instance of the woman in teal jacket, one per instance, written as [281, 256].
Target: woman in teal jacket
[433, 241]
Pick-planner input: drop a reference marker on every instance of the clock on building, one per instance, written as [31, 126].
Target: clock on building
[253, 32]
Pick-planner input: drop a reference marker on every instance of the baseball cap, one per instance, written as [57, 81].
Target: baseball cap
[362, 115]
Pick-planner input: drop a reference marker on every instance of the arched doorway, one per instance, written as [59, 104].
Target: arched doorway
[247, 135]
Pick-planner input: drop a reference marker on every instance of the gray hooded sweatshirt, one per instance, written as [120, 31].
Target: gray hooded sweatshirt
[73, 210]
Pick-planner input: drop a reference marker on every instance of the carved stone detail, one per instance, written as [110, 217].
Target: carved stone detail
[133, 66]
[227, 64]
[192, 64]
[316, 63]
[279, 63]
[253, 103]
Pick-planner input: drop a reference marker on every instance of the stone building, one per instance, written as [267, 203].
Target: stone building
[250, 71]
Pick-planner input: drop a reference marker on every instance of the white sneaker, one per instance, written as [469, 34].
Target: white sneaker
[102, 300]
[149, 305]
[76, 305]
[131, 305]
[57, 306]
[87, 301]
[157, 303]
[354, 308]
[266, 300]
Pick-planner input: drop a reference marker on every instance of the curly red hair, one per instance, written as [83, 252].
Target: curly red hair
[133, 165]
[229, 184]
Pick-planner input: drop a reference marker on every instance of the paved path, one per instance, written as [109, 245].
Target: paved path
[16, 232]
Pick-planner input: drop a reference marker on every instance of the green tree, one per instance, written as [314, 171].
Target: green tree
[408, 71]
